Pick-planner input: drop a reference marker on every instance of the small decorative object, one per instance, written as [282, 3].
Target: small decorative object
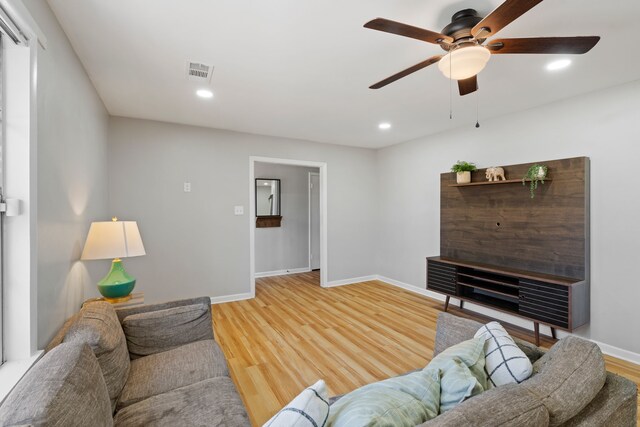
[536, 173]
[463, 171]
[495, 174]
[114, 240]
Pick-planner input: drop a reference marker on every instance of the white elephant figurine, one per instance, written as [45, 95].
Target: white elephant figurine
[495, 174]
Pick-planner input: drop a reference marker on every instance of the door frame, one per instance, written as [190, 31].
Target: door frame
[309, 175]
[324, 264]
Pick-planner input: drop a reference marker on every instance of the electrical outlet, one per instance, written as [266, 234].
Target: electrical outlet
[238, 210]
[187, 187]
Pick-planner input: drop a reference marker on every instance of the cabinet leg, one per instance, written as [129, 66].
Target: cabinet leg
[461, 304]
[536, 328]
[553, 333]
[446, 303]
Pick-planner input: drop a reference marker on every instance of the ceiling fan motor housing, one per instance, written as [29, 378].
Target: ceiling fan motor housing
[461, 24]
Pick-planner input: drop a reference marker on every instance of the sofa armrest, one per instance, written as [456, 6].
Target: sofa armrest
[128, 311]
[161, 327]
[615, 405]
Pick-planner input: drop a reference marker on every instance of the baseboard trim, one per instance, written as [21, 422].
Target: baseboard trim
[351, 281]
[231, 298]
[607, 349]
[282, 272]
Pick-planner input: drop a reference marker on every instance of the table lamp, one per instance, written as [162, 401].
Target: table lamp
[114, 239]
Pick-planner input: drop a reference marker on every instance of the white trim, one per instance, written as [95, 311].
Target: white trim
[282, 272]
[351, 281]
[231, 298]
[411, 288]
[11, 372]
[607, 349]
[618, 353]
[309, 175]
[324, 265]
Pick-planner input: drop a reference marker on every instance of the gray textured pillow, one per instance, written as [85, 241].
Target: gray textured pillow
[157, 331]
[99, 327]
[567, 378]
[65, 388]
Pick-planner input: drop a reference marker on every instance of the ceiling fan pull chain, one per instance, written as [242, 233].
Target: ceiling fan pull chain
[477, 109]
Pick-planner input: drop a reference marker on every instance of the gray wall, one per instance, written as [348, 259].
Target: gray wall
[72, 175]
[601, 125]
[285, 247]
[195, 245]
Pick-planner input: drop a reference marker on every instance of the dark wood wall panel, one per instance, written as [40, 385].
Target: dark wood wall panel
[501, 225]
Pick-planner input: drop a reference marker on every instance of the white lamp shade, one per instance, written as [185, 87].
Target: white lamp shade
[113, 239]
[464, 62]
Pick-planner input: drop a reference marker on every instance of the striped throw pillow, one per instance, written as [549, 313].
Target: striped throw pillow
[505, 363]
[308, 409]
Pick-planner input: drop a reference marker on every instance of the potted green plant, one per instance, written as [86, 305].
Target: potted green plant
[535, 174]
[463, 171]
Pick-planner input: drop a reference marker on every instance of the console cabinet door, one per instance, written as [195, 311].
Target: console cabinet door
[546, 302]
[441, 277]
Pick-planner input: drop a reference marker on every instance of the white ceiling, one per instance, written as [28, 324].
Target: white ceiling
[301, 69]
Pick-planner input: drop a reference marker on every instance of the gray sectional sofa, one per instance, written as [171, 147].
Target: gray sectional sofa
[569, 387]
[152, 365]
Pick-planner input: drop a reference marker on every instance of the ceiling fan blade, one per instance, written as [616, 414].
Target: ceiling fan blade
[406, 72]
[566, 45]
[468, 86]
[502, 16]
[401, 29]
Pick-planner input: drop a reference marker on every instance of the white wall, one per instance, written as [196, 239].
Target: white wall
[285, 247]
[601, 125]
[71, 173]
[195, 244]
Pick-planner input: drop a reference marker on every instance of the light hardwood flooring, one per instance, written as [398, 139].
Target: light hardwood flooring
[295, 332]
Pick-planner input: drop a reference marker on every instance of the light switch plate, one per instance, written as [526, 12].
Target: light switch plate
[187, 187]
[238, 210]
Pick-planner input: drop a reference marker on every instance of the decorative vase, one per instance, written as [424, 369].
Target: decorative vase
[541, 173]
[463, 177]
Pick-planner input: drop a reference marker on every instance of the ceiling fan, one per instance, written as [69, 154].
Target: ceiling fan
[463, 40]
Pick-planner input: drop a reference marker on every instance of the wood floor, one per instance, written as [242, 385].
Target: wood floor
[295, 332]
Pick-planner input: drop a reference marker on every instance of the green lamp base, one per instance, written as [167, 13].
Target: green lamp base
[117, 284]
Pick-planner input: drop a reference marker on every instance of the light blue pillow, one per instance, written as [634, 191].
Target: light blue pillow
[404, 401]
[462, 372]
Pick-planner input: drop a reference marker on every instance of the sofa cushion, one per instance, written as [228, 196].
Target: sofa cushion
[508, 406]
[505, 362]
[169, 370]
[99, 327]
[452, 330]
[567, 378]
[311, 406]
[64, 388]
[462, 372]
[156, 331]
[402, 401]
[212, 402]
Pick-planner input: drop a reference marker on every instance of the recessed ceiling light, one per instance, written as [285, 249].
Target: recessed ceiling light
[384, 126]
[204, 93]
[558, 65]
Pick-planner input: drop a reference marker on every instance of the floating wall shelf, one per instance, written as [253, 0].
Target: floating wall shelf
[508, 181]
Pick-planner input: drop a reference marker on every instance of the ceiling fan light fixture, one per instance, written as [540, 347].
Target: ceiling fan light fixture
[464, 62]
[558, 65]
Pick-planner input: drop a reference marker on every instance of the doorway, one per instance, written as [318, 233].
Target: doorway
[314, 221]
[320, 217]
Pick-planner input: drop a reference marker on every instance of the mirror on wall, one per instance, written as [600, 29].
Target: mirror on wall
[267, 201]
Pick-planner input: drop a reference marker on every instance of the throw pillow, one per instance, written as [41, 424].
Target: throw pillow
[462, 372]
[404, 401]
[309, 408]
[504, 361]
